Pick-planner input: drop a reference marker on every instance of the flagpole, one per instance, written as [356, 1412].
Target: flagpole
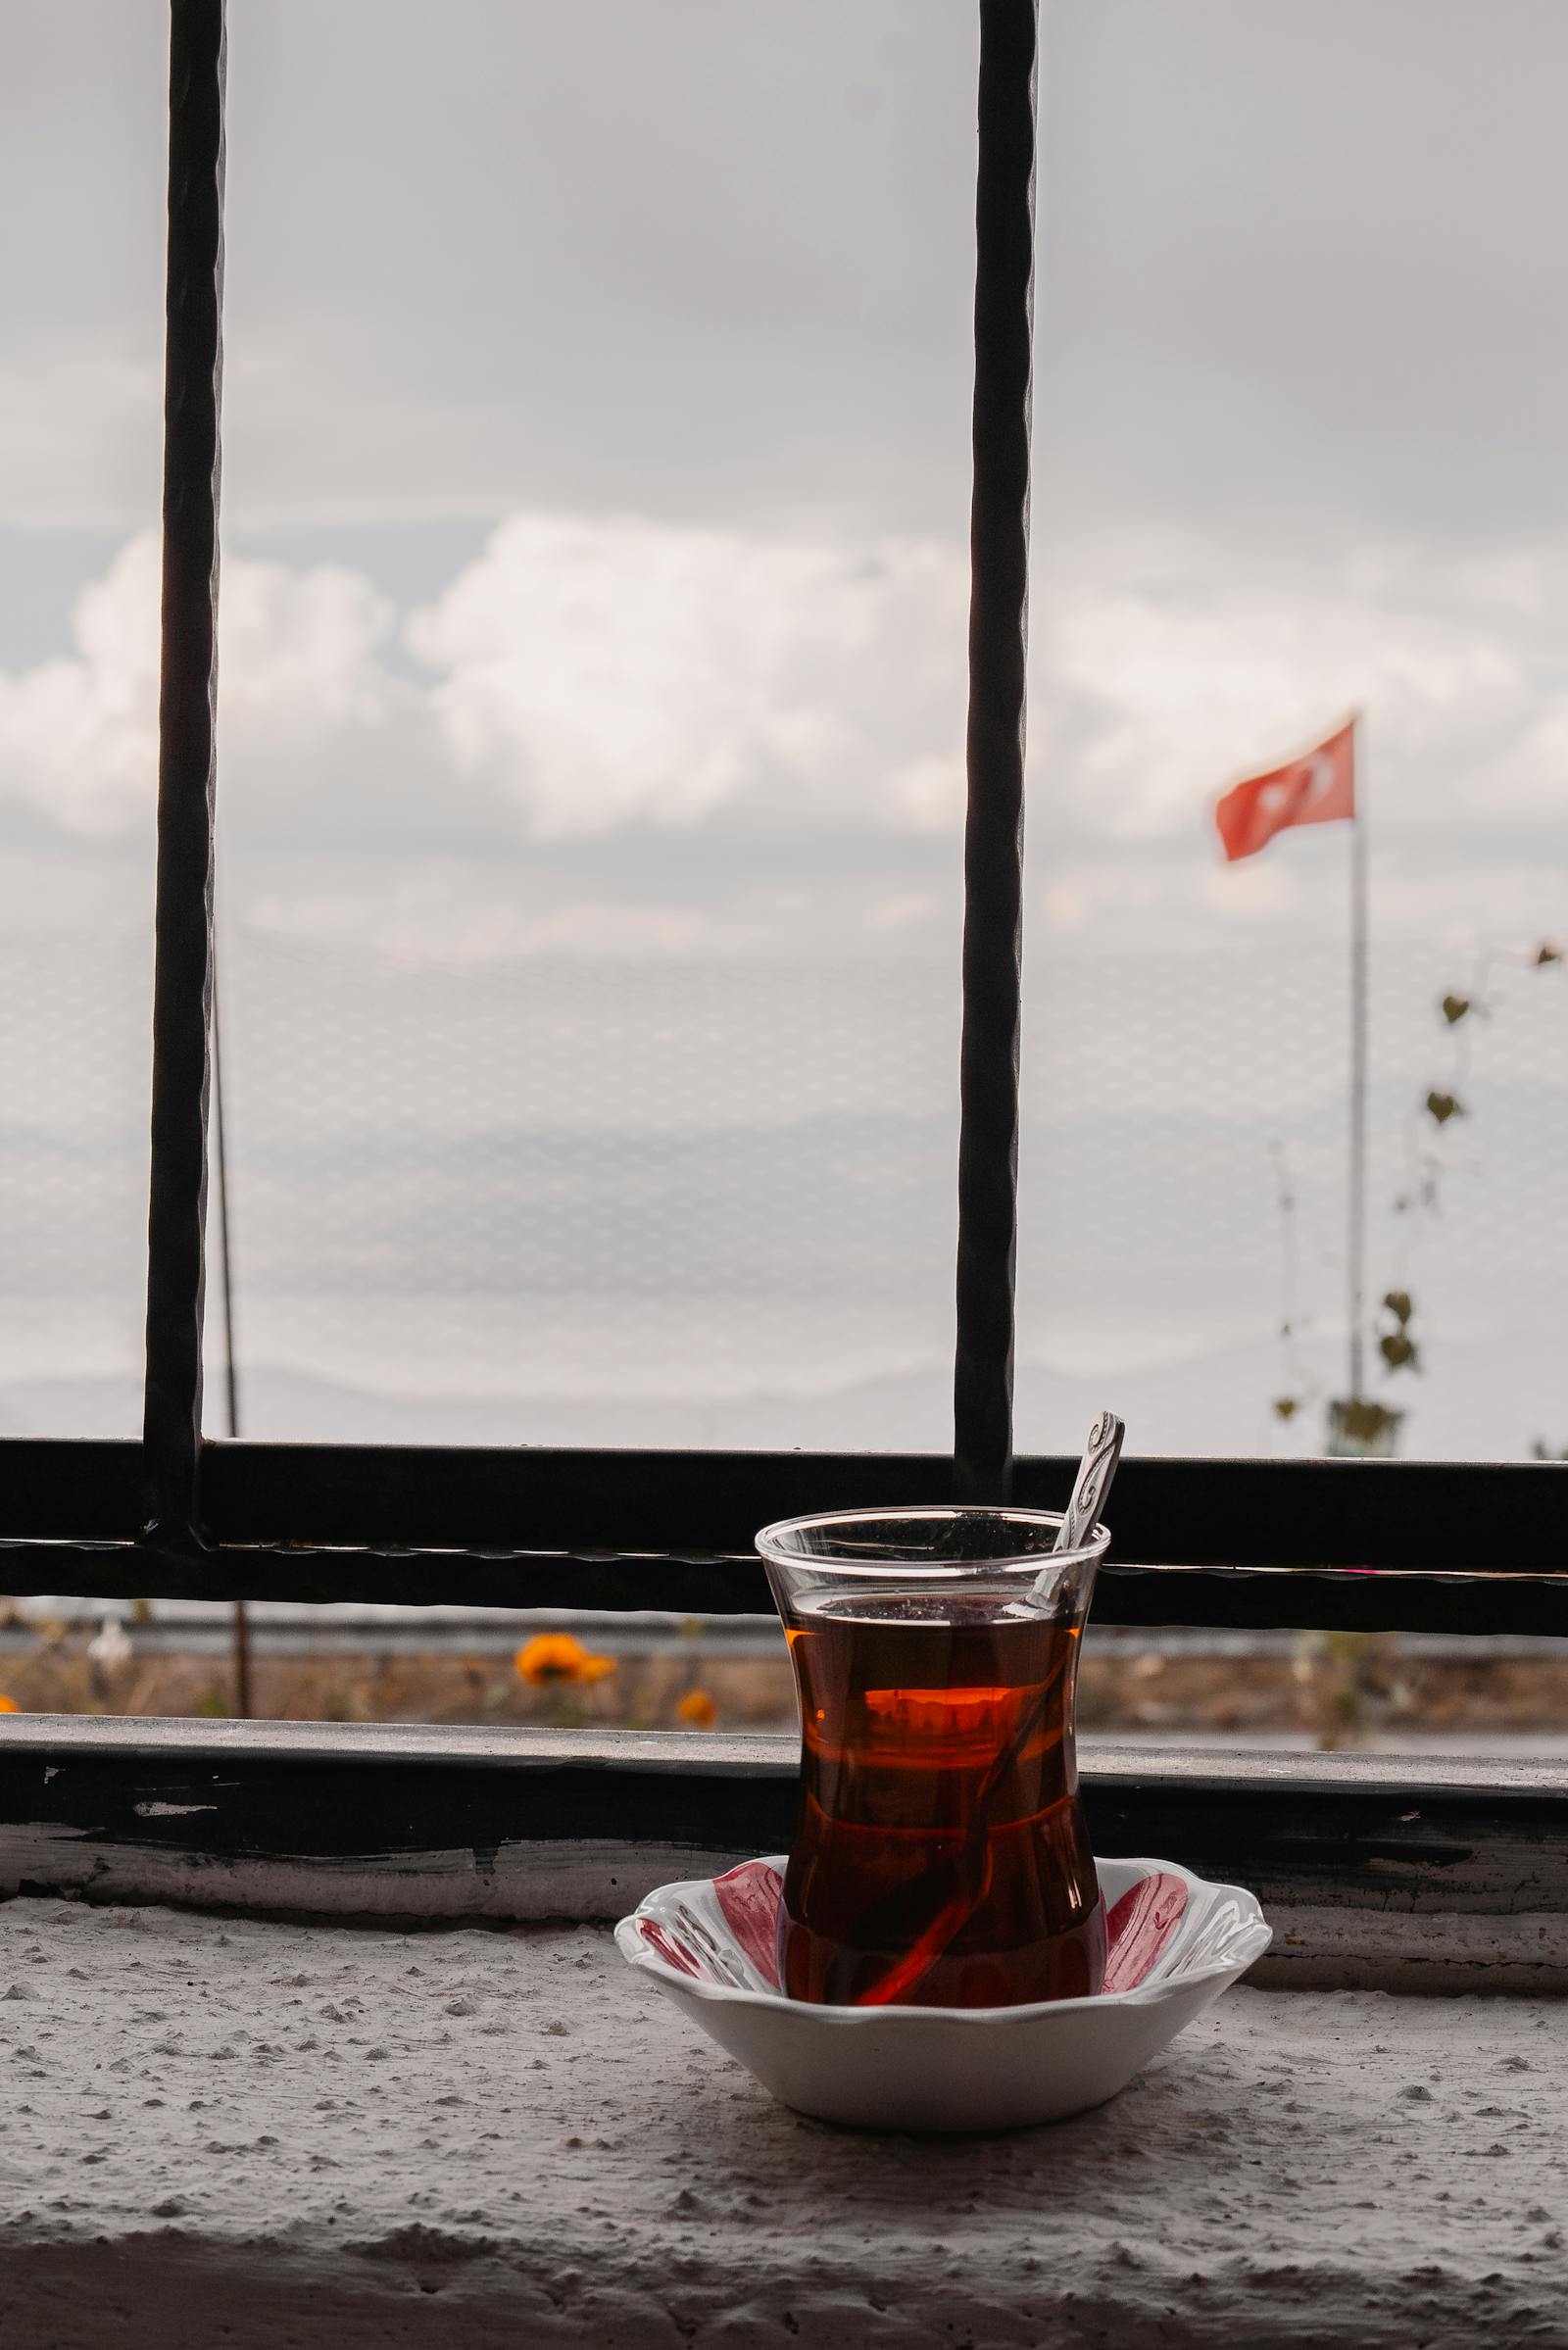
[241, 1618]
[1358, 1065]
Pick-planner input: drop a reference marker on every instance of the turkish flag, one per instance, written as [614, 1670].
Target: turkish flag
[1319, 788]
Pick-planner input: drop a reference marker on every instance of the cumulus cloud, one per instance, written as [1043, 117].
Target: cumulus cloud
[584, 680]
[304, 685]
[1158, 694]
[618, 670]
[79, 736]
[576, 677]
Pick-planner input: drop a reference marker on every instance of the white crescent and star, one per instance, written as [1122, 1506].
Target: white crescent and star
[1309, 780]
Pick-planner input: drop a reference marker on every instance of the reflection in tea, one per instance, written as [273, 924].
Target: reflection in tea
[942, 1859]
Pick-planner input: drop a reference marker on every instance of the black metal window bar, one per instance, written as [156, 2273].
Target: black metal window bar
[1218, 1542]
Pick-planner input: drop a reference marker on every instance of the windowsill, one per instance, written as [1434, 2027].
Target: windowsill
[1377, 1872]
[251, 2130]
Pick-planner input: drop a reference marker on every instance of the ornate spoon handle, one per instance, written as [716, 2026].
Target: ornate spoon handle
[1092, 1481]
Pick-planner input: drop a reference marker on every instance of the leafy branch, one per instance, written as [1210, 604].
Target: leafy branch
[1419, 1202]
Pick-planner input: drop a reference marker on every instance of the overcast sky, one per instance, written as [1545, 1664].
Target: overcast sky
[597, 437]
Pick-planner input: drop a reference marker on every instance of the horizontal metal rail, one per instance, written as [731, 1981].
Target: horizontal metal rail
[1498, 1518]
[1330, 1544]
[1303, 1598]
[291, 1628]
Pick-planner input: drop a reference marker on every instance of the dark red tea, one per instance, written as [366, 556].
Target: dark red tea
[942, 1859]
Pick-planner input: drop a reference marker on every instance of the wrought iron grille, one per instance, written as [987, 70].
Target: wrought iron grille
[1371, 1544]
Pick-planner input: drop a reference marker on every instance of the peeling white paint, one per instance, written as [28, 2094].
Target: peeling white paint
[169, 1811]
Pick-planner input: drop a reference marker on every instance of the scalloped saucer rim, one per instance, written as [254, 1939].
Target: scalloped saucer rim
[1253, 1936]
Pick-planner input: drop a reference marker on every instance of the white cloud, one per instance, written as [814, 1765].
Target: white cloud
[586, 677]
[78, 737]
[304, 649]
[307, 700]
[1168, 695]
[581, 675]
[621, 670]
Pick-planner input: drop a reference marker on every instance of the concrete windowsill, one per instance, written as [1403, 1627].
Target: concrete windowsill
[244, 2130]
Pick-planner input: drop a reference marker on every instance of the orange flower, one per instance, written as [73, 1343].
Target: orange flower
[9, 1705]
[557, 1656]
[697, 1709]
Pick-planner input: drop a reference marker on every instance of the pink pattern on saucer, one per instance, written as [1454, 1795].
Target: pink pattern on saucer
[1137, 1928]
[749, 1897]
[685, 1962]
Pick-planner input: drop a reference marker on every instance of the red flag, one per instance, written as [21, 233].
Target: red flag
[1318, 788]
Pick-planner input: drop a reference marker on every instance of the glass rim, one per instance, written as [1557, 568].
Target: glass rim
[770, 1542]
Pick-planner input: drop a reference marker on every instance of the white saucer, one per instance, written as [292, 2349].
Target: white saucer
[1174, 1943]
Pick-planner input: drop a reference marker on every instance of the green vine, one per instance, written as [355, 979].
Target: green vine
[1302, 1388]
[1364, 1421]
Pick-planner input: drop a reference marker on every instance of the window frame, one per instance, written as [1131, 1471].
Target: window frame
[1373, 1545]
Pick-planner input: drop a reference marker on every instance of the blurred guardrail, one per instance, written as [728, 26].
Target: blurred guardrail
[179, 1627]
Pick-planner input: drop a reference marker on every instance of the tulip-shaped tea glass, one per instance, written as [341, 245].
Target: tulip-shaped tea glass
[942, 1859]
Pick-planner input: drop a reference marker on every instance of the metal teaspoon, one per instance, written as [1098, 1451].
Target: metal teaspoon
[1093, 1481]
